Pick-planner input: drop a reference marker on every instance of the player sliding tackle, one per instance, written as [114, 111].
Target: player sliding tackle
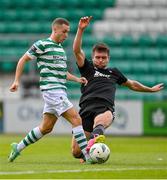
[98, 96]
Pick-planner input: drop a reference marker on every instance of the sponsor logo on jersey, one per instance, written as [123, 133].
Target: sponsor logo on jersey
[98, 74]
[58, 57]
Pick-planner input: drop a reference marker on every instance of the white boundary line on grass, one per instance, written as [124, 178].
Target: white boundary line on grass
[83, 170]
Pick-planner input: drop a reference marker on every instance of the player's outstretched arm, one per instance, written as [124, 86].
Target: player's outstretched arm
[77, 44]
[137, 86]
[19, 70]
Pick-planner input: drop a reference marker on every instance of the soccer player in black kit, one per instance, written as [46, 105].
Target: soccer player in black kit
[97, 99]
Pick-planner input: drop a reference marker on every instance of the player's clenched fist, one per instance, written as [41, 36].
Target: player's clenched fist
[84, 22]
[14, 87]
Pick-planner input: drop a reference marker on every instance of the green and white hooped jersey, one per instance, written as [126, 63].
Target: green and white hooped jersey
[51, 61]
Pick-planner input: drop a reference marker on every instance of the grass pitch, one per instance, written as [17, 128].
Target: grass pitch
[131, 158]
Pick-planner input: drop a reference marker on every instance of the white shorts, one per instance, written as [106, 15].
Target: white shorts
[56, 102]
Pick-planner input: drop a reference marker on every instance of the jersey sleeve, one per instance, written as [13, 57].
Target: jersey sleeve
[85, 68]
[36, 50]
[121, 78]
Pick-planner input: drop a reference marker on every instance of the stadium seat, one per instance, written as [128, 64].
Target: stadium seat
[163, 53]
[159, 3]
[3, 28]
[88, 52]
[114, 14]
[122, 65]
[125, 3]
[117, 53]
[158, 67]
[147, 79]
[146, 41]
[162, 13]
[105, 3]
[14, 27]
[9, 15]
[11, 53]
[161, 40]
[137, 28]
[130, 14]
[90, 40]
[140, 67]
[30, 4]
[133, 53]
[151, 53]
[127, 40]
[22, 4]
[111, 41]
[161, 79]
[96, 13]
[154, 28]
[36, 28]
[148, 14]
[8, 66]
[5, 4]
[14, 43]
[142, 3]
[124, 94]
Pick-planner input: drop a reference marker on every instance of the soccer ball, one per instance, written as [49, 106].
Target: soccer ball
[99, 153]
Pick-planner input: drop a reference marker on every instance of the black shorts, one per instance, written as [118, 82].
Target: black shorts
[90, 110]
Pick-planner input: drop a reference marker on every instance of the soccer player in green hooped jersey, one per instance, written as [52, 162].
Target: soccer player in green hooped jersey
[51, 60]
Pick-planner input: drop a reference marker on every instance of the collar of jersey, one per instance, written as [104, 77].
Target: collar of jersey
[59, 44]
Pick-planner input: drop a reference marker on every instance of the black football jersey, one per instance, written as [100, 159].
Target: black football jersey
[101, 83]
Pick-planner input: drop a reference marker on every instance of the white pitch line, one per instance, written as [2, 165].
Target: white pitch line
[83, 170]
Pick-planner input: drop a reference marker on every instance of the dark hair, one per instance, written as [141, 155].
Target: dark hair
[101, 47]
[60, 21]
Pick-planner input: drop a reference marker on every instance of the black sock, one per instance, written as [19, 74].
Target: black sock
[99, 129]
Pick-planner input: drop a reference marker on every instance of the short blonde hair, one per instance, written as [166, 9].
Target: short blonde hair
[60, 21]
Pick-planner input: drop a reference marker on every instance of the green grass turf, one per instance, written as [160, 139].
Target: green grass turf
[131, 157]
